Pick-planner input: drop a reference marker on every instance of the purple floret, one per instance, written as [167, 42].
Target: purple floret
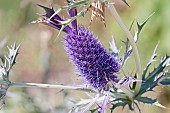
[95, 64]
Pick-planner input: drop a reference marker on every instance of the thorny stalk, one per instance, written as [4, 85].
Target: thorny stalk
[132, 42]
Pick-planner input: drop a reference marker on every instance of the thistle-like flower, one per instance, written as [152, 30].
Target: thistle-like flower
[94, 63]
[98, 67]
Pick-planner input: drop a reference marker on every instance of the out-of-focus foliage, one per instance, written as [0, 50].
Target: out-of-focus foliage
[43, 60]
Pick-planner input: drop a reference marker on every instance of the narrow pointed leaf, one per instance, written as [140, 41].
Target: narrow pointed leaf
[159, 105]
[158, 70]
[49, 11]
[126, 2]
[146, 100]
[152, 59]
[140, 26]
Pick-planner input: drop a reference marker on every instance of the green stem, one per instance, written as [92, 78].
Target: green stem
[37, 85]
[132, 42]
[126, 90]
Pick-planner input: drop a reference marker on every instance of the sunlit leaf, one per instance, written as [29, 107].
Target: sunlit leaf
[159, 105]
[152, 59]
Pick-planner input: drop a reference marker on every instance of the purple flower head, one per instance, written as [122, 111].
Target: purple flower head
[94, 63]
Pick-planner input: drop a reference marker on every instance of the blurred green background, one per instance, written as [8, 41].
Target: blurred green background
[43, 60]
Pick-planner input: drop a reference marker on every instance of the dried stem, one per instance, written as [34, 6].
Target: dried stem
[37, 85]
[132, 42]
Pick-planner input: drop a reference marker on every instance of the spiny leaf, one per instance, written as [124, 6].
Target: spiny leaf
[152, 59]
[159, 105]
[121, 102]
[48, 11]
[136, 36]
[13, 52]
[146, 100]
[140, 26]
[158, 70]
[5, 69]
[9, 61]
[149, 82]
[126, 2]
[147, 86]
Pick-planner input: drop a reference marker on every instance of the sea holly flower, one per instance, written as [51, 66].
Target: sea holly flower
[94, 63]
[100, 68]
[96, 66]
